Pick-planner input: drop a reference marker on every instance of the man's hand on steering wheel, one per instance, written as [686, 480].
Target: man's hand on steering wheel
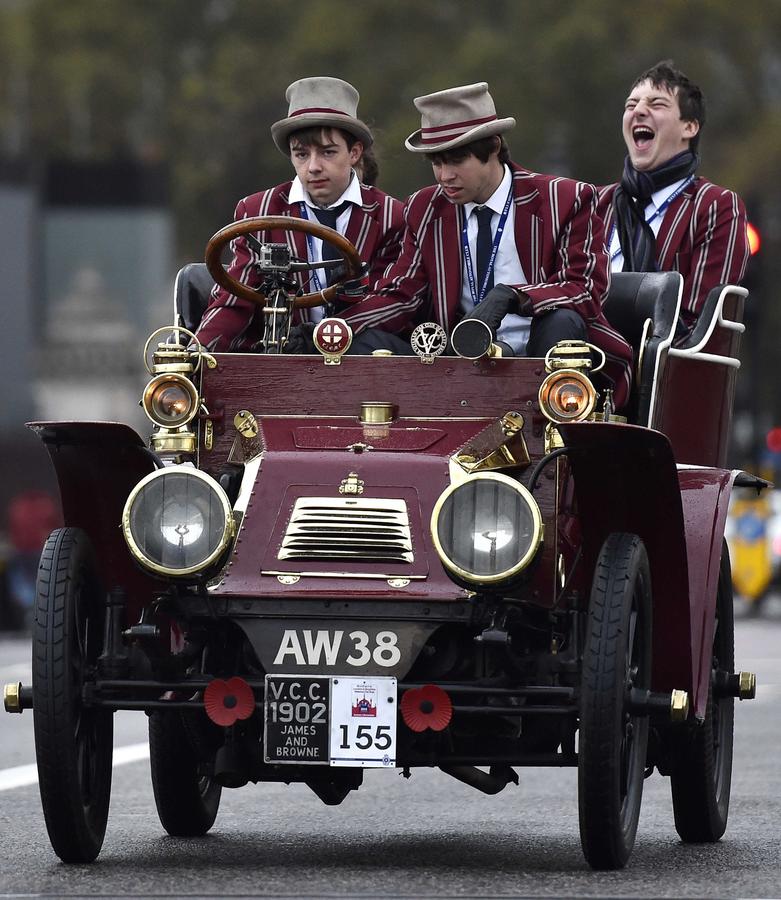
[354, 289]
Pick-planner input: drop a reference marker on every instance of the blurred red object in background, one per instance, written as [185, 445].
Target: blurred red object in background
[31, 516]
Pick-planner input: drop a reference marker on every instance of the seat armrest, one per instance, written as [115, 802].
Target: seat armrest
[192, 290]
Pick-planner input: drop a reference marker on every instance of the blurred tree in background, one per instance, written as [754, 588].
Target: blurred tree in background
[195, 85]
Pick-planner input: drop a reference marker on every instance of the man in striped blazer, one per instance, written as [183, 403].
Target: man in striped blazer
[661, 215]
[324, 139]
[520, 251]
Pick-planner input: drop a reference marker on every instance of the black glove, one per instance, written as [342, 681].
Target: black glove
[300, 339]
[496, 304]
[354, 289]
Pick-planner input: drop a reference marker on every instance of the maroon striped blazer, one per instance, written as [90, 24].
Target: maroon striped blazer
[231, 323]
[560, 243]
[702, 236]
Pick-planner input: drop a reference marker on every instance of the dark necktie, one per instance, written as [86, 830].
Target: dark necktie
[484, 245]
[328, 217]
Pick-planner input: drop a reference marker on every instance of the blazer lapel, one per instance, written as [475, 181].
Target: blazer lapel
[363, 231]
[528, 225]
[677, 213]
[447, 263]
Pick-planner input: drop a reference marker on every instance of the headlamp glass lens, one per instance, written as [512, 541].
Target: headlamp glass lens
[171, 403]
[569, 397]
[178, 522]
[486, 528]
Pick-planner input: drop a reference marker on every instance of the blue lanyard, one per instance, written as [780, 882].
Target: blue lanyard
[660, 211]
[470, 272]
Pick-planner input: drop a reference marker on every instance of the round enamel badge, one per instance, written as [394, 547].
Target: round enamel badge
[332, 337]
[428, 340]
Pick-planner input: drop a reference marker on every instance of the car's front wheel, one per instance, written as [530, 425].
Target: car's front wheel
[187, 801]
[73, 742]
[612, 740]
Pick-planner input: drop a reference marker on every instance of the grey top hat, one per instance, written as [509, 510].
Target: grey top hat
[321, 101]
[455, 117]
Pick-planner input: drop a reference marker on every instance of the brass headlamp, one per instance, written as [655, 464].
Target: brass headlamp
[171, 399]
[567, 394]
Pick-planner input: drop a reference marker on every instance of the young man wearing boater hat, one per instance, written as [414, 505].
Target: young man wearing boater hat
[662, 216]
[522, 252]
[324, 139]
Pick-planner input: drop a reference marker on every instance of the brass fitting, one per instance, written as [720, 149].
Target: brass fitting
[12, 697]
[747, 685]
[679, 706]
[167, 441]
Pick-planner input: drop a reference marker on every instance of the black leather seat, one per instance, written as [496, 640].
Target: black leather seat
[643, 307]
[192, 289]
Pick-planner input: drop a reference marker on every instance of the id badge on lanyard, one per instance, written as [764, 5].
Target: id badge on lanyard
[470, 272]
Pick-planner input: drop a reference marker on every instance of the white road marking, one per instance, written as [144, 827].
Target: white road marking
[21, 776]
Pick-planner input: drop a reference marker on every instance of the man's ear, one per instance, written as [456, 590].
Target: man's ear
[690, 128]
[356, 152]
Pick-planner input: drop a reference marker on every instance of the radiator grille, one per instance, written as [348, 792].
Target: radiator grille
[361, 530]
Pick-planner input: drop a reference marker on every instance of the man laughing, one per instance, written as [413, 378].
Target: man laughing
[662, 216]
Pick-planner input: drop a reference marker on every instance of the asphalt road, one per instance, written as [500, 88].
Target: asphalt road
[430, 836]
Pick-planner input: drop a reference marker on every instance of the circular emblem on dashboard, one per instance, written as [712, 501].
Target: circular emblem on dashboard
[332, 337]
[429, 340]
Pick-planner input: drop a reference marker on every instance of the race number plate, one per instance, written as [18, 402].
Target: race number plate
[363, 721]
[338, 720]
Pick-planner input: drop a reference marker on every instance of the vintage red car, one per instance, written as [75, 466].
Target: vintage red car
[325, 563]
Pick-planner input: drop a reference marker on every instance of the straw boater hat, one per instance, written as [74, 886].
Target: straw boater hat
[455, 117]
[322, 101]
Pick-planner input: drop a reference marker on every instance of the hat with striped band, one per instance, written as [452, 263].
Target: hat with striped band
[321, 101]
[455, 117]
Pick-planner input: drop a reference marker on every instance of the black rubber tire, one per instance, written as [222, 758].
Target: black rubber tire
[701, 775]
[73, 744]
[612, 742]
[187, 802]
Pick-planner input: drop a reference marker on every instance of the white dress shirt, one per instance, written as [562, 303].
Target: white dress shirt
[298, 194]
[514, 329]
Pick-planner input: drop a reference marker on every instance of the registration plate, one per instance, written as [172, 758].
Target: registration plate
[337, 720]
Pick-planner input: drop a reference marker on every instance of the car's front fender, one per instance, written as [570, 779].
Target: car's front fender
[97, 465]
[626, 479]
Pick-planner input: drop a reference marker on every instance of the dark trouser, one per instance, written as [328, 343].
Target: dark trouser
[375, 339]
[554, 326]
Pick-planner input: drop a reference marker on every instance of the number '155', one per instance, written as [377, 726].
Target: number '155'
[364, 738]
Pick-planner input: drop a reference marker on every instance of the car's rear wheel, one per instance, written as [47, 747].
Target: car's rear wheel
[701, 774]
[73, 742]
[612, 740]
[187, 801]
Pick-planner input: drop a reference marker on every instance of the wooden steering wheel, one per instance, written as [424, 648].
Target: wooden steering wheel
[279, 223]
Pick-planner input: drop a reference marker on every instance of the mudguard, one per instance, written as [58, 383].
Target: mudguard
[626, 479]
[97, 465]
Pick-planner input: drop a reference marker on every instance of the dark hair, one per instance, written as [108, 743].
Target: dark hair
[315, 135]
[691, 102]
[481, 148]
[367, 167]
